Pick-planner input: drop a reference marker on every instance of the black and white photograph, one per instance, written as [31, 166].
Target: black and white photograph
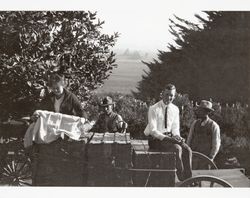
[125, 94]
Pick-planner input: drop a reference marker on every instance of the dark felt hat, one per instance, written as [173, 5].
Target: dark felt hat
[107, 101]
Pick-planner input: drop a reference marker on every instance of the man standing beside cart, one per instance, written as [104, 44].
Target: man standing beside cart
[204, 134]
[163, 130]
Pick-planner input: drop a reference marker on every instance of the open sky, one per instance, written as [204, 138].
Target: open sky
[142, 24]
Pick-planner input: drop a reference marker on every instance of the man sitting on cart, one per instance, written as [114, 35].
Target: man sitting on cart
[204, 134]
[163, 130]
[108, 120]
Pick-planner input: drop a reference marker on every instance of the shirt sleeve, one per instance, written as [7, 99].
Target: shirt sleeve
[176, 123]
[190, 134]
[152, 123]
[119, 121]
[119, 118]
[216, 141]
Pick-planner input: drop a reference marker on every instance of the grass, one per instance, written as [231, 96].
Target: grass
[124, 78]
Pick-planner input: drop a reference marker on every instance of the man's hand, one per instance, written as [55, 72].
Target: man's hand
[174, 139]
[170, 139]
[179, 139]
[34, 117]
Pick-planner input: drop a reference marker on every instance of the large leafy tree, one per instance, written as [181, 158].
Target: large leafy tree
[34, 44]
[210, 60]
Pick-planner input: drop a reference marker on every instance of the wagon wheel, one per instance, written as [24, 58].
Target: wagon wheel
[205, 181]
[15, 170]
[203, 160]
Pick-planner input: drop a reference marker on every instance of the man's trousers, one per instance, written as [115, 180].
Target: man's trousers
[183, 156]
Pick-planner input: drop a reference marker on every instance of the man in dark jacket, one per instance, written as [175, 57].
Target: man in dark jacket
[60, 99]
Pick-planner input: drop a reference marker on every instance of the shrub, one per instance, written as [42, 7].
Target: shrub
[34, 44]
[232, 120]
[133, 111]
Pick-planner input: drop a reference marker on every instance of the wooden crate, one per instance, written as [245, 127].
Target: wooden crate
[109, 156]
[122, 153]
[145, 159]
[60, 163]
[98, 159]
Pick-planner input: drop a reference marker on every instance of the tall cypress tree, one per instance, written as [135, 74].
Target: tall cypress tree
[211, 61]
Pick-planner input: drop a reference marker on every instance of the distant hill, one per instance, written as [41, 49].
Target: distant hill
[139, 55]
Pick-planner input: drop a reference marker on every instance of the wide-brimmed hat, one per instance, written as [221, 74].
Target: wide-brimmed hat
[107, 101]
[204, 104]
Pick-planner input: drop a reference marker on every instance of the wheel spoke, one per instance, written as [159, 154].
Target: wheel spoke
[24, 183]
[212, 184]
[13, 165]
[22, 167]
[23, 177]
[6, 174]
[7, 170]
[25, 173]
[9, 167]
[17, 162]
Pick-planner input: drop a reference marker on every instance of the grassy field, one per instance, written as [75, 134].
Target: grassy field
[124, 78]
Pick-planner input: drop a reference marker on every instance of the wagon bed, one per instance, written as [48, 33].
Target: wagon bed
[235, 177]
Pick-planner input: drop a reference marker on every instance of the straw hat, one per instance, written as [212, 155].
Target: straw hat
[204, 104]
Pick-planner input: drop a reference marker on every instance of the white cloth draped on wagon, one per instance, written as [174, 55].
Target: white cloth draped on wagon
[50, 126]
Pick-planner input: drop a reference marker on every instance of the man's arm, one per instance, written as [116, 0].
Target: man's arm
[121, 124]
[152, 123]
[216, 141]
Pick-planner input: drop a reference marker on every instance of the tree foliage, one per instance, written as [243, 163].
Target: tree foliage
[207, 61]
[34, 44]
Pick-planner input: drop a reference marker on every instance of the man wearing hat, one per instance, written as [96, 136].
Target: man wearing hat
[109, 121]
[204, 134]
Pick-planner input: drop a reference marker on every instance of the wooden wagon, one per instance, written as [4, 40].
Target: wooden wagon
[100, 159]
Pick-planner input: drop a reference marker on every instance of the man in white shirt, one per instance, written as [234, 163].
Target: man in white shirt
[163, 130]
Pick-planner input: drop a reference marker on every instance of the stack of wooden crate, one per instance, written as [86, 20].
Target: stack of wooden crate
[99, 159]
[108, 159]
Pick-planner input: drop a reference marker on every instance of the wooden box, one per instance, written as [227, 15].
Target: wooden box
[60, 163]
[109, 156]
[156, 169]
